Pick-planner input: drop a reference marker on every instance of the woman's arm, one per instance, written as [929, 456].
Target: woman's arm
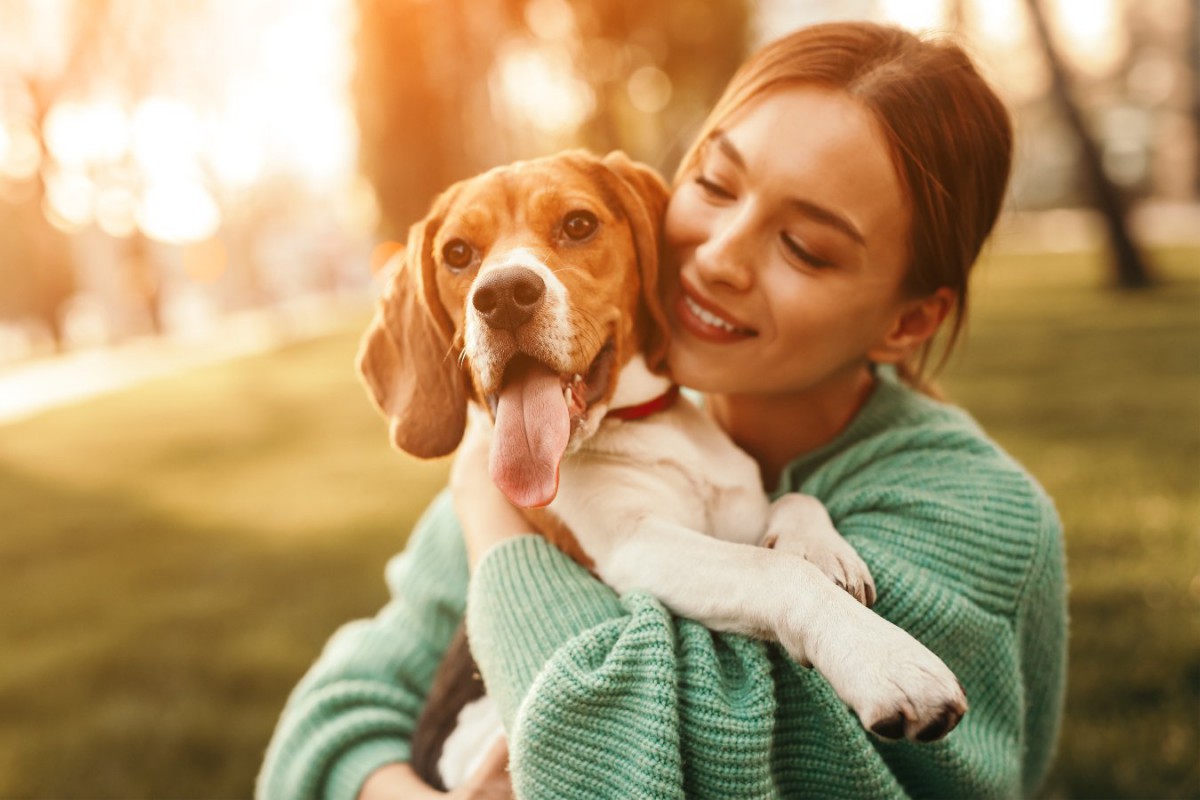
[612, 697]
[354, 711]
[490, 781]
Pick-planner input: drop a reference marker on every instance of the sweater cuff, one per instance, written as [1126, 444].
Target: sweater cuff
[526, 600]
[354, 766]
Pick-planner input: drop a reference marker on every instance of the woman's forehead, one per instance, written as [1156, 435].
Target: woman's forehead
[817, 145]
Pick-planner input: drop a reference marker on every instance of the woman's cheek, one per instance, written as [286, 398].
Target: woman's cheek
[684, 223]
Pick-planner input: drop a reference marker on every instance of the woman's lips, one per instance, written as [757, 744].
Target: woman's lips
[705, 321]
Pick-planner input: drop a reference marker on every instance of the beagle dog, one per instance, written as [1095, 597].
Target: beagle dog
[531, 294]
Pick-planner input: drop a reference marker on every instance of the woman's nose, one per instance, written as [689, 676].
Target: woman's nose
[726, 257]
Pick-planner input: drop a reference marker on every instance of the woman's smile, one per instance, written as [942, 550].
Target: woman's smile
[706, 320]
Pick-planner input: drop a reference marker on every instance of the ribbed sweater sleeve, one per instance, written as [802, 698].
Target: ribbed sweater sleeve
[603, 713]
[355, 709]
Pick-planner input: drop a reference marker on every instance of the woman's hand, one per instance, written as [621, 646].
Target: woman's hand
[486, 516]
[400, 781]
[397, 782]
[491, 781]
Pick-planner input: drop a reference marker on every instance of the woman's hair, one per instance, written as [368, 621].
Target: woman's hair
[950, 138]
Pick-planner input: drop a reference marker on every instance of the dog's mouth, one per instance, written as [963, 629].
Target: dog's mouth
[579, 390]
[537, 409]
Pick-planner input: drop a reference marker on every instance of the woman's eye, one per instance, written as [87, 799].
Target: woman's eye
[458, 254]
[713, 189]
[798, 250]
[579, 225]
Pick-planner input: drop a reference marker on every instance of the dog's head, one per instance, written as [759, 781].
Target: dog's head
[527, 289]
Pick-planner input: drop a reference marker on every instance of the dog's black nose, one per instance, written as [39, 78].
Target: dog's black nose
[507, 297]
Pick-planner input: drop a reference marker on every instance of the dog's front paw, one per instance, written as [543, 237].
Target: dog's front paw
[898, 687]
[800, 524]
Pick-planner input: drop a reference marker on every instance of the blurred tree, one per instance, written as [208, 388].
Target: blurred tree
[437, 82]
[111, 45]
[35, 268]
[420, 91]
[655, 69]
[1130, 266]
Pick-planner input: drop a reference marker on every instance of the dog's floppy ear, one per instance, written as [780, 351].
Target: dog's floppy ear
[407, 357]
[644, 196]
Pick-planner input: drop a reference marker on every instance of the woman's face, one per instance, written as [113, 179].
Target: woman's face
[791, 237]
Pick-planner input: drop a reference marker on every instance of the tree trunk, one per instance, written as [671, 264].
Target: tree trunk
[1132, 271]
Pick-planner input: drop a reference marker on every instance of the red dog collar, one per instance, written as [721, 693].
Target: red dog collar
[660, 403]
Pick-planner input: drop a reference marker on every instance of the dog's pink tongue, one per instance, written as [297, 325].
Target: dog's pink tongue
[532, 429]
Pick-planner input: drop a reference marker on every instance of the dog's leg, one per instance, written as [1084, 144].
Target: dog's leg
[895, 685]
[800, 524]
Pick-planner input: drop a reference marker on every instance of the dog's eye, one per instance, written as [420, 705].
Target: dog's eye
[457, 254]
[578, 225]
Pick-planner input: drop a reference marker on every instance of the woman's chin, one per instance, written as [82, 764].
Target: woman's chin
[698, 371]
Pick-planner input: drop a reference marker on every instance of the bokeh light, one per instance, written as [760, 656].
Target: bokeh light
[649, 90]
[539, 85]
[915, 14]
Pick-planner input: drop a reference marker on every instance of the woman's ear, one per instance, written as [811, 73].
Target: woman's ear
[915, 324]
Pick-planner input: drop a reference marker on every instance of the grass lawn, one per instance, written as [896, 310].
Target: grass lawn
[175, 555]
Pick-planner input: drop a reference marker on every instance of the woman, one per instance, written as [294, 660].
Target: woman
[823, 228]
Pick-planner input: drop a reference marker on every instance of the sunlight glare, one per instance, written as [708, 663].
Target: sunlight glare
[70, 194]
[166, 138]
[540, 85]
[273, 102]
[79, 135]
[915, 15]
[1089, 34]
[301, 101]
[235, 151]
[178, 211]
[116, 207]
[1002, 23]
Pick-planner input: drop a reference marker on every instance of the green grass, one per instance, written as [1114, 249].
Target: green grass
[175, 555]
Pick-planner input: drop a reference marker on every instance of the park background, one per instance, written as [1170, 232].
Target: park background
[194, 490]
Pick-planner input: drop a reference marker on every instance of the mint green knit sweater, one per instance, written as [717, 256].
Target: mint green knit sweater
[611, 697]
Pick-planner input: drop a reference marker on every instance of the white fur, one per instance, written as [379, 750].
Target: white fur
[636, 384]
[548, 336]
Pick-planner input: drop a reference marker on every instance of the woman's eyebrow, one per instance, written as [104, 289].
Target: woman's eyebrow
[806, 207]
[728, 149]
[827, 216]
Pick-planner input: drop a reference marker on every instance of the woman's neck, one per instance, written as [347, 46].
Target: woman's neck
[777, 428]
